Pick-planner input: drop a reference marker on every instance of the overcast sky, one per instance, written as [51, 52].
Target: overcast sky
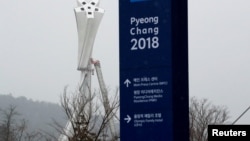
[38, 50]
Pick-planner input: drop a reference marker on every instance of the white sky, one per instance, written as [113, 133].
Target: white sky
[38, 50]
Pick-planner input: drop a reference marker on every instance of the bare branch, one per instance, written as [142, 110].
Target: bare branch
[201, 114]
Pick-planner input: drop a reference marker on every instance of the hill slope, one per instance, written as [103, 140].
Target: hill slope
[37, 114]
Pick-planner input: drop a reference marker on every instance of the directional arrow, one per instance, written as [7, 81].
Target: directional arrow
[128, 118]
[127, 82]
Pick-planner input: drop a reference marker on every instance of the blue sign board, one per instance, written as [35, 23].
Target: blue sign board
[153, 70]
[142, 26]
[146, 102]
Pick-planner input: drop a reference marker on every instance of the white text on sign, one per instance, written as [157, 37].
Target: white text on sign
[144, 32]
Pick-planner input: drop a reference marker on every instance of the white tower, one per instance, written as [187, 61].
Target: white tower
[88, 17]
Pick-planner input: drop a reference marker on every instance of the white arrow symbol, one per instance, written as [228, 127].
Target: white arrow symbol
[128, 118]
[127, 82]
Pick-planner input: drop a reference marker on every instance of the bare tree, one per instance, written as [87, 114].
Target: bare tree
[201, 114]
[87, 120]
[13, 128]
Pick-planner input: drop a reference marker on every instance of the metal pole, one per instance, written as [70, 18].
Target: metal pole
[241, 115]
[104, 96]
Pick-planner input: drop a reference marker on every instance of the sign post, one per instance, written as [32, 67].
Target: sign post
[153, 70]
